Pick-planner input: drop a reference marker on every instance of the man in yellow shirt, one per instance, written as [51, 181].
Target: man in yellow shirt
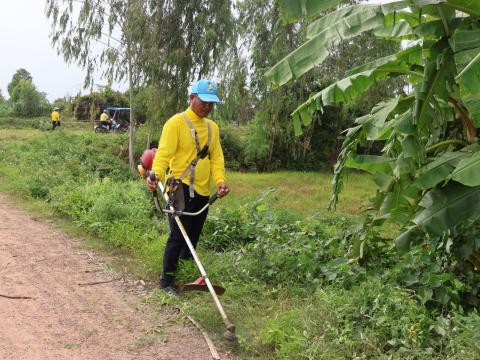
[55, 116]
[105, 119]
[184, 137]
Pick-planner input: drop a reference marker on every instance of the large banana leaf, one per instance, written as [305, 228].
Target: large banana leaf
[466, 44]
[371, 163]
[439, 74]
[471, 7]
[438, 170]
[446, 207]
[398, 202]
[401, 30]
[296, 9]
[375, 124]
[443, 209]
[334, 27]
[354, 16]
[359, 79]
[467, 171]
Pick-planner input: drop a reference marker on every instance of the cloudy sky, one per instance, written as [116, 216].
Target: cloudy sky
[25, 43]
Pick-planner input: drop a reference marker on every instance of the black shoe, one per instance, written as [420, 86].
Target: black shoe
[170, 290]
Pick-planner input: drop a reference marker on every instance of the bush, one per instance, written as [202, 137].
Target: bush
[232, 146]
[5, 109]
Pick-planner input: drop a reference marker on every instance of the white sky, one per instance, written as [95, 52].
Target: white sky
[25, 43]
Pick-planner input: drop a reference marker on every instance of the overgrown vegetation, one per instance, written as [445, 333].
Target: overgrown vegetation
[292, 290]
[426, 171]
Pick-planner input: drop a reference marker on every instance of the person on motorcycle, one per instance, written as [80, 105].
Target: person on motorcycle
[55, 116]
[105, 119]
[180, 147]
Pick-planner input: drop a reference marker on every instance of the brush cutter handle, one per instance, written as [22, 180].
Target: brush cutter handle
[153, 178]
[212, 199]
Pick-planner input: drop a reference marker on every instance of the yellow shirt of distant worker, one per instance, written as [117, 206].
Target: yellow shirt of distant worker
[55, 116]
[104, 117]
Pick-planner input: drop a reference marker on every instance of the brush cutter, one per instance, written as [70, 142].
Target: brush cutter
[203, 283]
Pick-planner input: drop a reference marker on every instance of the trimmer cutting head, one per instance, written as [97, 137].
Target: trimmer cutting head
[201, 285]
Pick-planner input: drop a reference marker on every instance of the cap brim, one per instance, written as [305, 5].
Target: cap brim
[209, 98]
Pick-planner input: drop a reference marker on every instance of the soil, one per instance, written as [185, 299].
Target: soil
[50, 307]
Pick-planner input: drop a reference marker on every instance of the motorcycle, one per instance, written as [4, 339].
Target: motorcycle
[114, 127]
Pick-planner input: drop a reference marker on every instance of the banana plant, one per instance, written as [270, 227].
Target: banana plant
[428, 172]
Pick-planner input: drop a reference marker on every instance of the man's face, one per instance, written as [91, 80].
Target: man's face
[199, 107]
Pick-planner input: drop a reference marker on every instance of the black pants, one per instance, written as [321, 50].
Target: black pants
[176, 248]
[55, 124]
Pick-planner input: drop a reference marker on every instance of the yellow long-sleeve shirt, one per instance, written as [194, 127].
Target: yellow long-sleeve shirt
[177, 149]
[55, 116]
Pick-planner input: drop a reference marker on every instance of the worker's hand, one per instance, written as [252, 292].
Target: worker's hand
[222, 190]
[152, 185]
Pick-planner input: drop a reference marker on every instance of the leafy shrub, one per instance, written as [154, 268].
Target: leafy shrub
[232, 146]
[463, 336]
[5, 109]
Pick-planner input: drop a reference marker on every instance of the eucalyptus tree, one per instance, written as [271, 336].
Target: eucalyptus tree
[27, 101]
[184, 41]
[20, 74]
[427, 174]
[101, 35]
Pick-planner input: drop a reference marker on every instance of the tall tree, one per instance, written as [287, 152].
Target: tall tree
[99, 34]
[27, 101]
[184, 40]
[163, 44]
[20, 74]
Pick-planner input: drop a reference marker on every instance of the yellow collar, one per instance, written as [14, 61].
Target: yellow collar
[192, 116]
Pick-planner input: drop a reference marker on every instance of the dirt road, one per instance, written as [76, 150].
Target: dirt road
[66, 319]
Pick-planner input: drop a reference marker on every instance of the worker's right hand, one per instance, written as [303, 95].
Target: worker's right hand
[152, 185]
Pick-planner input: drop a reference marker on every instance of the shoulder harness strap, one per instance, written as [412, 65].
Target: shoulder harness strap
[201, 153]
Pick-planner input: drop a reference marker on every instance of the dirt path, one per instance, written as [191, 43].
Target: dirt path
[65, 320]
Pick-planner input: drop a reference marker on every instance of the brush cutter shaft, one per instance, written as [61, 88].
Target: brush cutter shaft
[180, 213]
[230, 327]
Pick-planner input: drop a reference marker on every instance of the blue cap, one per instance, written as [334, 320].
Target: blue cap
[206, 90]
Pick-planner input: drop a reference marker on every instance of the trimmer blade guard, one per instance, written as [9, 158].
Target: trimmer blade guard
[200, 285]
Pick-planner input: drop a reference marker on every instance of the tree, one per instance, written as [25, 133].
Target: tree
[27, 101]
[2, 99]
[183, 41]
[163, 44]
[112, 23]
[20, 74]
[427, 172]
[265, 39]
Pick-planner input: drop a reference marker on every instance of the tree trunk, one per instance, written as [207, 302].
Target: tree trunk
[131, 130]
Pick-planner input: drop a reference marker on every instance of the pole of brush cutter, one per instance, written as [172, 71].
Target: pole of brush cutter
[229, 326]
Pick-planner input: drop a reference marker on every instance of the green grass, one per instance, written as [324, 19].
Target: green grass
[302, 193]
[42, 123]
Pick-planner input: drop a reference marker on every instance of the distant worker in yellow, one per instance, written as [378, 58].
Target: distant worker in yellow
[105, 119]
[55, 117]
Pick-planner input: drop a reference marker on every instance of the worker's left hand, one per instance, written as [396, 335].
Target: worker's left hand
[222, 190]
